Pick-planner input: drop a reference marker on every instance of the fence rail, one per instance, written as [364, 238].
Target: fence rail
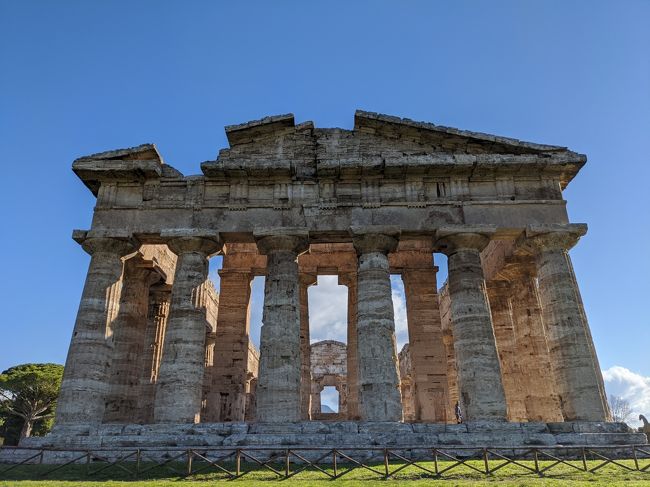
[334, 463]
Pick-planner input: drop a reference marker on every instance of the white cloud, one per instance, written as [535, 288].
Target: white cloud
[399, 306]
[630, 386]
[328, 310]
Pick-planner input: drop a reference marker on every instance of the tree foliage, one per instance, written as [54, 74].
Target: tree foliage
[28, 396]
[620, 409]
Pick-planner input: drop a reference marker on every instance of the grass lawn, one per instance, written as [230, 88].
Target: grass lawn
[510, 475]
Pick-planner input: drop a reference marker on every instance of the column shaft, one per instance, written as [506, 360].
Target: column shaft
[279, 382]
[227, 396]
[479, 373]
[306, 280]
[159, 300]
[85, 381]
[575, 367]
[504, 332]
[426, 345]
[379, 388]
[350, 280]
[128, 342]
[542, 401]
[180, 380]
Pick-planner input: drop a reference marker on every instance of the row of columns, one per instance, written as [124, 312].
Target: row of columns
[86, 392]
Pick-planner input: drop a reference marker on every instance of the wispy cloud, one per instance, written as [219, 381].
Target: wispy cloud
[632, 387]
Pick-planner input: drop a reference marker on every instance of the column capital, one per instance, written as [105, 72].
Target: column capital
[451, 239]
[282, 239]
[375, 238]
[541, 238]
[202, 241]
[118, 246]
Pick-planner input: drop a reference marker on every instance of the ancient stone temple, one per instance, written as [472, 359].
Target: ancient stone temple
[157, 353]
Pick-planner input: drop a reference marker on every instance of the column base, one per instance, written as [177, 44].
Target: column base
[116, 438]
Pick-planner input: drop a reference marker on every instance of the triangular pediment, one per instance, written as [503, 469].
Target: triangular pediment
[378, 144]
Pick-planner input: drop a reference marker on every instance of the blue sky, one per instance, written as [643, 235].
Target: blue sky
[79, 77]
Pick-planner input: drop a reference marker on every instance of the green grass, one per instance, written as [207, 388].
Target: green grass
[510, 475]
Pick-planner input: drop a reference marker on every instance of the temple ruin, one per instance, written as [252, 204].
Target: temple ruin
[156, 349]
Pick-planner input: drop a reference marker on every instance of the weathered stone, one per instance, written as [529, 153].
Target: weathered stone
[180, 380]
[379, 394]
[577, 374]
[479, 373]
[488, 202]
[85, 385]
[278, 388]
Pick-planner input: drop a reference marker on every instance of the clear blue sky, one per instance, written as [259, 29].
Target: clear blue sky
[78, 77]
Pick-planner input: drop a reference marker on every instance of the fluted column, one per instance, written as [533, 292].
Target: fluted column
[577, 374]
[85, 381]
[350, 280]
[532, 354]
[479, 374]
[379, 387]
[128, 342]
[227, 394]
[426, 345]
[306, 280]
[504, 332]
[279, 382]
[180, 379]
[159, 299]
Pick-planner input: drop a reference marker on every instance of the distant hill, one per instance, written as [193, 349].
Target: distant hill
[325, 409]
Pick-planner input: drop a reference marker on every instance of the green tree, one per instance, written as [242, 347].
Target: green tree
[28, 396]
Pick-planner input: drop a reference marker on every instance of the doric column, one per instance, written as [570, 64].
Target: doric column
[577, 374]
[306, 280]
[278, 387]
[504, 332]
[227, 395]
[349, 279]
[479, 374]
[426, 345]
[85, 381]
[128, 341]
[379, 388]
[532, 354]
[180, 379]
[159, 299]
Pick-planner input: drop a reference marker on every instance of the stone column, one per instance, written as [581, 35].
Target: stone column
[537, 380]
[479, 374]
[349, 279]
[159, 299]
[379, 387]
[577, 374]
[85, 381]
[306, 280]
[227, 396]
[128, 341]
[278, 388]
[426, 345]
[504, 332]
[180, 379]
